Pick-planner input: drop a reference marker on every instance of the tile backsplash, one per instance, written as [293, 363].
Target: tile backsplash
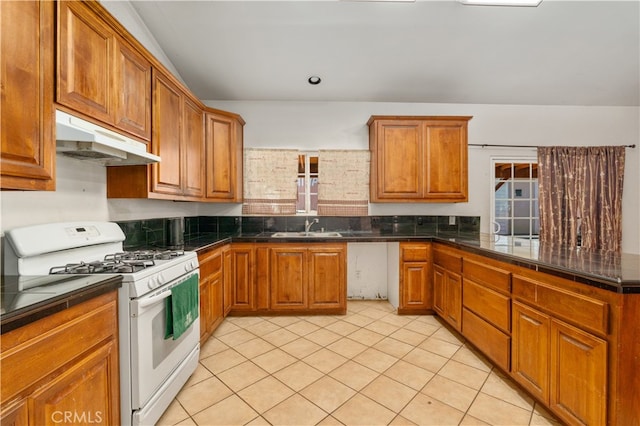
[153, 232]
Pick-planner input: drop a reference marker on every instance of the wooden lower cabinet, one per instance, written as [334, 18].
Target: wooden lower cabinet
[561, 365]
[327, 278]
[243, 259]
[447, 285]
[416, 292]
[447, 296]
[578, 375]
[63, 369]
[299, 278]
[530, 350]
[228, 283]
[288, 278]
[211, 291]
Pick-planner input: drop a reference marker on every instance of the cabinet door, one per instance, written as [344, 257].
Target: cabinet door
[15, 414]
[87, 392]
[243, 259]
[206, 309]
[439, 277]
[85, 46]
[530, 350]
[578, 375]
[453, 299]
[227, 275]
[217, 294]
[132, 85]
[167, 136]
[27, 160]
[415, 292]
[327, 283]
[288, 278]
[220, 154]
[446, 168]
[194, 172]
[398, 161]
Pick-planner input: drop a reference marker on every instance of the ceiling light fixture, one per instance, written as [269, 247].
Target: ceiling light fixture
[314, 80]
[527, 3]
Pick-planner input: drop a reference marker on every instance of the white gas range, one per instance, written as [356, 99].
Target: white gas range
[152, 368]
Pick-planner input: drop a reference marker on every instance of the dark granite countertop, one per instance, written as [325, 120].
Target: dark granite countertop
[614, 272]
[47, 295]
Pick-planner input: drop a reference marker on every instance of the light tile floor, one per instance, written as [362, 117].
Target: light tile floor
[369, 367]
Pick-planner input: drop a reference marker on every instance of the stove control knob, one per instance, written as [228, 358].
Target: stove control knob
[151, 283]
[160, 279]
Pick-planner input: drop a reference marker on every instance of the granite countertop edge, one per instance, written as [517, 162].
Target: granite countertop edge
[15, 319]
[470, 243]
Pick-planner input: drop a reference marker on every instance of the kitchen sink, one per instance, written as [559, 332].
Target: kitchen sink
[307, 235]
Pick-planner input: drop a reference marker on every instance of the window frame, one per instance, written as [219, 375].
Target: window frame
[493, 231]
[307, 180]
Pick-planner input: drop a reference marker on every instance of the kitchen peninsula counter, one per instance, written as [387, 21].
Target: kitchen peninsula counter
[615, 272]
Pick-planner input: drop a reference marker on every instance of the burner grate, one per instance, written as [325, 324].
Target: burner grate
[145, 255]
[123, 266]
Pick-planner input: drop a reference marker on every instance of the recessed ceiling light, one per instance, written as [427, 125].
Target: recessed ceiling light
[314, 80]
[530, 3]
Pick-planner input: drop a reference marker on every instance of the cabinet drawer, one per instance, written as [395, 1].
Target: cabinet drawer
[447, 260]
[488, 275]
[210, 263]
[492, 342]
[488, 304]
[415, 252]
[583, 311]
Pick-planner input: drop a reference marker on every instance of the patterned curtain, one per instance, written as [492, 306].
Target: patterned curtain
[270, 177]
[343, 183]
[580, 195]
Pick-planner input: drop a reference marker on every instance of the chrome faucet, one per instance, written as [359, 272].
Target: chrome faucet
[308, 225]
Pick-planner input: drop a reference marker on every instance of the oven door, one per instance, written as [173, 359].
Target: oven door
[154, 358]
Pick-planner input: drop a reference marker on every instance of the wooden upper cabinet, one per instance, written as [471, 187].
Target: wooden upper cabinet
[85, 46]
[132, 101]
[418, 159]
[446, 168]
[223, 157]
[399, 160]
[167, 136]
[99, 74]
[194, 149]
[27, 160]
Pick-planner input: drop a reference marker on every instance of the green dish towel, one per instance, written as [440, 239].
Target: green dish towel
[182, 307]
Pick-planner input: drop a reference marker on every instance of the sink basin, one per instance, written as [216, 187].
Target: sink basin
[307, 235]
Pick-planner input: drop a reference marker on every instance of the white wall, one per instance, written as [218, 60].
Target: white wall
[81, 186]
[124, 12]
[315, 125]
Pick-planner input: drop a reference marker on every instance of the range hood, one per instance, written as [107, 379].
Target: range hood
[83, 140]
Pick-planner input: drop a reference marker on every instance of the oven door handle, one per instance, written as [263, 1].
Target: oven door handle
[140, 306]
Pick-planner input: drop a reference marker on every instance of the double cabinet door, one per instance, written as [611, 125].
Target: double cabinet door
[418, 159]
[306, 278]
[560, 364]
[99, 74]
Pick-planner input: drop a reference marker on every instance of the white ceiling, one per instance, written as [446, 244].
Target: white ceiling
[560, 53]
